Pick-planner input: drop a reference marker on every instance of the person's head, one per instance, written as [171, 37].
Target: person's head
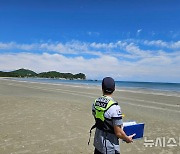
[108, 85]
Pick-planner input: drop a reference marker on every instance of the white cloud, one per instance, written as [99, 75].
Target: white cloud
[76, 47]
[5, 45]
[160, 43]
[138, 32]
[163, 67]
[156, 43]
[111, 45]
[176, 44]
[124, 60]
[136, 51]
[14, 45]
[45, 62]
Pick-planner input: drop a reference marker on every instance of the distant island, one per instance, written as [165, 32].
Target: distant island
[22, 73]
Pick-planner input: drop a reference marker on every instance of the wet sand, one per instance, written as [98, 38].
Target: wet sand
[55, 119]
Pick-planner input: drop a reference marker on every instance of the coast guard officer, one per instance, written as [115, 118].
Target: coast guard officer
[108, 121]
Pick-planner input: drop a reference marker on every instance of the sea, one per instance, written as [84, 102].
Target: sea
[121, 85]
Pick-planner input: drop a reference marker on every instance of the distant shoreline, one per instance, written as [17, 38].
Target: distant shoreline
[95, 84]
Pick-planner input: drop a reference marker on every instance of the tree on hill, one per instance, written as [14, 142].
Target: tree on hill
[5, 74]
[67, 75]
[51, 74]
[80, 76]
[24, 73]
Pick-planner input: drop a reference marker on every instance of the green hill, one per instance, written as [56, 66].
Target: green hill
[80, 76]
[24, 73]
[3, 74]
[51, 74]
[54, 74]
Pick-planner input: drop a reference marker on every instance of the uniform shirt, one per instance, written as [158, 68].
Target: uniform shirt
[103, 140]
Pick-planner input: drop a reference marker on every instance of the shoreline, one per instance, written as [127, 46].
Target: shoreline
[143, 103]
[128, 89]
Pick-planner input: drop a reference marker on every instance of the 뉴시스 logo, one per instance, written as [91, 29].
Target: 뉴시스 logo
[162, 142]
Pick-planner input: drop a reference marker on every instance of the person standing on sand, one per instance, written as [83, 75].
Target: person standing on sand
[108, 117]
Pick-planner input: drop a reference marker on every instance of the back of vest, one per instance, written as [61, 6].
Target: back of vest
[101, 105]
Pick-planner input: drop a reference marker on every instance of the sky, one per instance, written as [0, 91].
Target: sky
[129, 40]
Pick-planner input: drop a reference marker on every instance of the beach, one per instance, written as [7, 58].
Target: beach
[42, 118]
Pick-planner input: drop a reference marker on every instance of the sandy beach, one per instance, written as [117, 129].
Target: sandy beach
[55, 119]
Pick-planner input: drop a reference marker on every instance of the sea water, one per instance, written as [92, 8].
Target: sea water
[123, 85]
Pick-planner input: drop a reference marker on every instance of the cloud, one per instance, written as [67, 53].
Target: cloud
[176, 45]
[14, 45]
[163, 44]
[111, 45]
[159, 68]
[138, 32]
[174, 34]
[76, 47]
[93, 67]
[137, 52]
[123, 60]
[159, 43]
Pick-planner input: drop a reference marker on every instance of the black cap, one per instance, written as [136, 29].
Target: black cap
[108, 84]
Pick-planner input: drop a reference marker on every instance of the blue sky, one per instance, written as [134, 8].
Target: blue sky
[135, 40]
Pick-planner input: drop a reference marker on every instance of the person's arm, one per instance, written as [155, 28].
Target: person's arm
[122, 135]
[116, 115]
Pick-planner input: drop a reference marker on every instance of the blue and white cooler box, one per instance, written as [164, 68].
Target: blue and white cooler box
[132, 127]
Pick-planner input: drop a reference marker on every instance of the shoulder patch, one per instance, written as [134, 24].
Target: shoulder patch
[118, 112]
